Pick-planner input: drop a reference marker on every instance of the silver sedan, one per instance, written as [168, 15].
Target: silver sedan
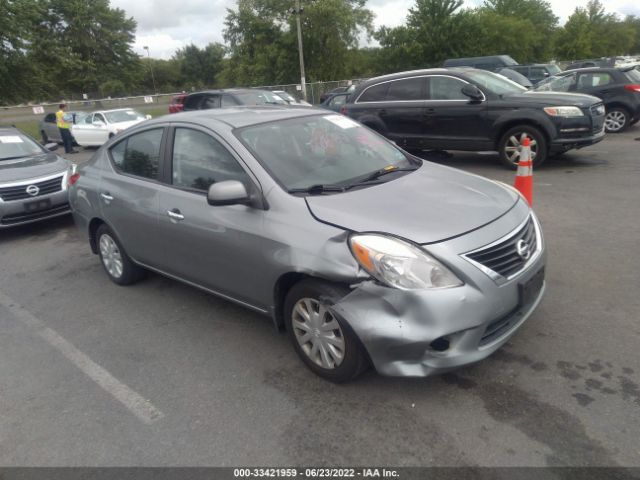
[363, 253]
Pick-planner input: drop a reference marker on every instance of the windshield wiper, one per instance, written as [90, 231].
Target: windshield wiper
[379, 173]
[317, 189]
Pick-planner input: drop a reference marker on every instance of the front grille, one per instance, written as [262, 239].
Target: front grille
[17, 218]
[19, 192]
[503, 257]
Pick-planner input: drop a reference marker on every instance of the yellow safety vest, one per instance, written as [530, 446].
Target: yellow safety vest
[60, 121]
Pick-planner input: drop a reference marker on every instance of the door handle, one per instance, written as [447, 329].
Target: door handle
[175, 215]
[106, 197]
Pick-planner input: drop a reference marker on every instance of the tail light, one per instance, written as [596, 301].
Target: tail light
[73, 179]
[634, 87]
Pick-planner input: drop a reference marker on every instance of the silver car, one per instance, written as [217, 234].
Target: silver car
[362, 252]
[49, 131]
[33, 180]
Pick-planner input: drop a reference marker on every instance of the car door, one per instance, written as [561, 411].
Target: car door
[453, 119]
[100, 132]
[403, 110]
[129, 192]
[598, 84]
[50, 128]
[211, 246]
[83, 131]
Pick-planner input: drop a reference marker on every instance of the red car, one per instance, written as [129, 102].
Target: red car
[177, 103]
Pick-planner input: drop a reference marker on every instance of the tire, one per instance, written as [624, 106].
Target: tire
[510, 141]
[45, 139]
[328, 348]
[115, 261]
[616, 120]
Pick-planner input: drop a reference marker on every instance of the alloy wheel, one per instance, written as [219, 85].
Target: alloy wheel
[512, 147]
[318, 333]
[615, 121]
[111, 256]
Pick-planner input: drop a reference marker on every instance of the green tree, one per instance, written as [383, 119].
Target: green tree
[200, 66]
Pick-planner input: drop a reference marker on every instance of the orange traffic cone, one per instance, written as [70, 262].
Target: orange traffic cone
[524, 175]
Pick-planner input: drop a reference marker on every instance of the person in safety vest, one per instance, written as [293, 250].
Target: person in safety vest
[63, 121]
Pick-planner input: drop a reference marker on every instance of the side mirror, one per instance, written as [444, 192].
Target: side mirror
[52, 147]
[472, 92]
[148, 117]
[229, 192]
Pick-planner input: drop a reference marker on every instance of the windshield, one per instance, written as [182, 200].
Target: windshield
[562, 83]
[494, 83]
[320, 150]
[15, 145]
[123, 116]
[286, 96]
[633, 75]
[553, 69]
[260, 97]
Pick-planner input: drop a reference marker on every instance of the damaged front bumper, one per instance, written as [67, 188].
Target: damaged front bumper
[425, 332]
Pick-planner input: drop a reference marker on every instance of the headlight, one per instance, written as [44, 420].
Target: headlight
[563, 111]
[400, 264]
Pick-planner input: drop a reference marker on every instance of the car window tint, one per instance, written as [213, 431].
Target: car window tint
[192, 101]
[375, 93]
[210, 101]
[446, 88]
[562, 84]
[99, 118]
[199, 160]
[538, 73]
[594, 79]
[338, 100]
[228, 101]
[406, 89]
[139, 154]
[51, 118]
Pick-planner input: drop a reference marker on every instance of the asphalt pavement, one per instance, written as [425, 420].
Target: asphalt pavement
[162, 374]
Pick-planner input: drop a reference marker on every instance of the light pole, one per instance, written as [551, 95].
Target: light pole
[153, 78]
[297, 11]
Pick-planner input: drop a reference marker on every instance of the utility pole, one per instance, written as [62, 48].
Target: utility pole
[153, 78]
[297, 11]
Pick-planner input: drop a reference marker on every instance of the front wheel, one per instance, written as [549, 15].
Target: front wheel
[616, 120]
[510, 142]
[116, 262]
[326, 346]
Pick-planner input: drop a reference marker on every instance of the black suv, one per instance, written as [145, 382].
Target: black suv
[619, 89]
[474, 110]
[232, 97]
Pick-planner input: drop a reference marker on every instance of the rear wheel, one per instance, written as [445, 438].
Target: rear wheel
[116, 262]
[509, 146]
[616, 120]
[324, 343]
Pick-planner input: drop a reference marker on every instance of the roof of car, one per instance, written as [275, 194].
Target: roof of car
[238, 117]
[230, 90]
[9, 129]
[408, 73]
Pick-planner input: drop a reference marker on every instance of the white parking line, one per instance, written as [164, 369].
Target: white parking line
[139, 406]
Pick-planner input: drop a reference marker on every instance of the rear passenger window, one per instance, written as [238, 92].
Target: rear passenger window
[446, 88]
[228, 101]
[139, 154]
[192, 101]
[595, 79]
[407, 89]
[376, 93]
[199, 160]
[210, 101]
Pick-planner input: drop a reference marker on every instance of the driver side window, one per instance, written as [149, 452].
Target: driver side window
[199, 161]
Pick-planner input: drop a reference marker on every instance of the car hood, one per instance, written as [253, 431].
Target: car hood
[554, 98]
[429, 205]
[26, 168]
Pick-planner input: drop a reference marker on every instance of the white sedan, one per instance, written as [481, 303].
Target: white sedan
[97, 127]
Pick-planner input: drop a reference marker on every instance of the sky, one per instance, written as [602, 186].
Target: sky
[166, 25]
